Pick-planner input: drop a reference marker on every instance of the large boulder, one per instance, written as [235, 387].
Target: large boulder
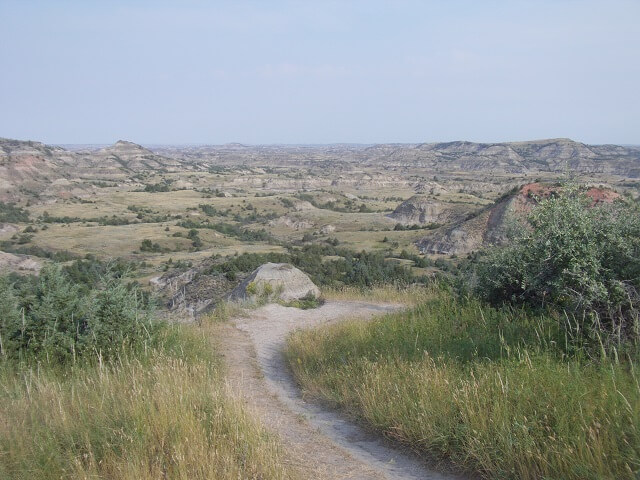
[278, 281]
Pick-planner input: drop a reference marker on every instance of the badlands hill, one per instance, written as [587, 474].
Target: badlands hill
[130, 156]
[32, 166]
[552, 155]
[45, 171]
[424, 209]
[490, 225]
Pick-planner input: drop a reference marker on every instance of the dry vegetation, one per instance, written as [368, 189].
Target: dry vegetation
[495, 389]
[163, 414]
[489, 389]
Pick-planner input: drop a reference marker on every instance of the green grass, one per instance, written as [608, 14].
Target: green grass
[307, 302]
[162, 414]
[492, 390]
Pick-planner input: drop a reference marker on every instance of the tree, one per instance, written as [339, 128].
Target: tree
[117, 318]
[56, 319]
[10, 319]
[60, 321]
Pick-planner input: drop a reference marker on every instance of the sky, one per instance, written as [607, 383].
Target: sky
[371, 71]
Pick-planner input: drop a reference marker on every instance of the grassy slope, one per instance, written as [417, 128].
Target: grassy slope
[165, 414]
[486, 388]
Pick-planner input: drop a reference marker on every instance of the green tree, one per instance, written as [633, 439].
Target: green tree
[10, 319]
[117, 317]
[56, 319]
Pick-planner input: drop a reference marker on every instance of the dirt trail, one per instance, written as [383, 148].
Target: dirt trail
[321, 444]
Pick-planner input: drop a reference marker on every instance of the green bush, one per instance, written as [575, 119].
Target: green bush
[117, 319]
[575, 257]
[56, 320]
[230, 230]
[362, 269]
[308, 302]
[148, 246]
[9, 212]
[157, 187]
[52, 323]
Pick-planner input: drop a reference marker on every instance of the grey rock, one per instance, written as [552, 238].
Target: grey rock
[286, 282]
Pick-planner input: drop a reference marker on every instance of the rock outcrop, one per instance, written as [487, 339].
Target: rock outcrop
[278, 281]
[292, 223]
[327, 229]
[421, 209]
[190, 293]
[490, 226]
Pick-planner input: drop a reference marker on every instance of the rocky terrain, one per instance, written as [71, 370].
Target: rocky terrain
[34, 169]
[21, 158]
[491, 224]
[53, 172]
[553, 155]
[421, 209]
[168, 208]
[128, 156]
[187, 294]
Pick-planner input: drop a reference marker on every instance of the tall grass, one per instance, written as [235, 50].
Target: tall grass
[163, 413]
[223, 311]
[405, 295]
[496, 391]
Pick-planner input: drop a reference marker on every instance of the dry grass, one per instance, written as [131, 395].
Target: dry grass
[484, 388]
[165, 414]
[409, 296]
[224, 311]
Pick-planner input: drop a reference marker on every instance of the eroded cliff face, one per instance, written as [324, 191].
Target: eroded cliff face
[491, 225]
[554, 155]
[50, 172]
[130, 156]
[421, 210]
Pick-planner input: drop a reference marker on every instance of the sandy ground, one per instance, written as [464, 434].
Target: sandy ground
[320, 443]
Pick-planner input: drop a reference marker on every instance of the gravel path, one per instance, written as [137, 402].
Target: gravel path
[320, 443]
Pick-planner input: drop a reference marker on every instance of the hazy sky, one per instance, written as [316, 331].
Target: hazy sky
[319, 72]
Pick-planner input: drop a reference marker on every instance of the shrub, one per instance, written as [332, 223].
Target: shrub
[363, 269]
[56, 320]
[230, 230]
[307, 302]
[576, 257]
[117, 318]
[10, 213]
[148, 246]
[157, 187]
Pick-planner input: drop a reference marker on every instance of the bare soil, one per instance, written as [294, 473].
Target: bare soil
[320, 443]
